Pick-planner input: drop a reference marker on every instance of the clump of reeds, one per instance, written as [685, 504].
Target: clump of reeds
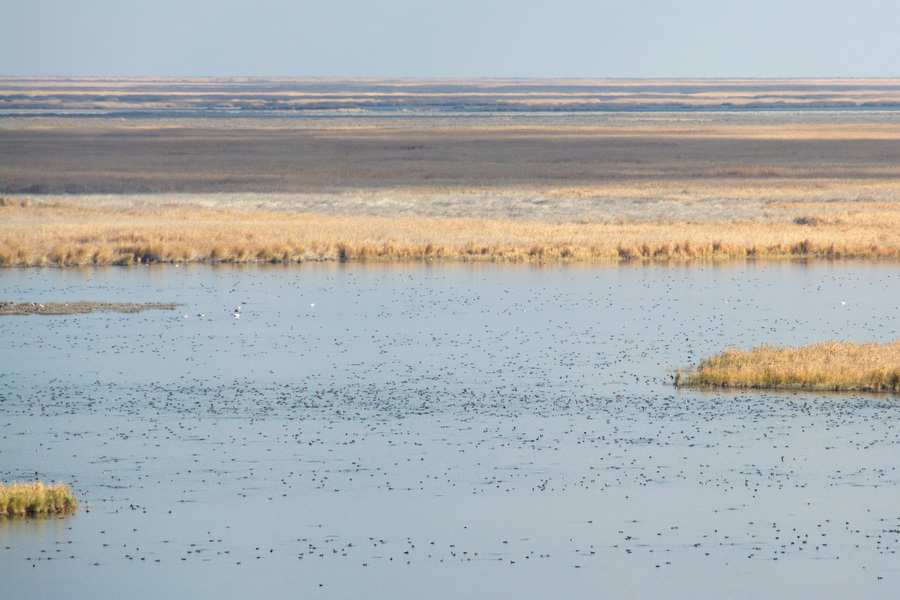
[826, 366]
[35, 499]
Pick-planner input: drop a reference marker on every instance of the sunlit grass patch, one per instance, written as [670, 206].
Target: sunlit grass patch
[35, 499]
[826, 366]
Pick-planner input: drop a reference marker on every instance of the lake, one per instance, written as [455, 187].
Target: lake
[411, 430]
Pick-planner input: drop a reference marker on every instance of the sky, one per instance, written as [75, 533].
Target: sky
[451, 38]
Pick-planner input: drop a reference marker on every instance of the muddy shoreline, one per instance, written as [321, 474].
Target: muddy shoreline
[81, 307]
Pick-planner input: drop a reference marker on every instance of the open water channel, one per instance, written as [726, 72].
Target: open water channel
[445, 431]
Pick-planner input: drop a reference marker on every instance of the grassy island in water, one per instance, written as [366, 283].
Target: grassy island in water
[35, 499]
[826, 366]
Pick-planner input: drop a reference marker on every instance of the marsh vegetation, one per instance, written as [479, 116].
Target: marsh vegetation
[827, 366]
[35, 499]
[65, 235]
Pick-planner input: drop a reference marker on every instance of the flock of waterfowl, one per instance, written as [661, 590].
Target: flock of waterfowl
[503, 429]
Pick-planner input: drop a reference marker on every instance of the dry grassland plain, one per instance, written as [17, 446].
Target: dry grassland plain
[133, 171]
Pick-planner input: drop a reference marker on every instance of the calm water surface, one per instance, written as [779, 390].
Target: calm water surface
[409, 430]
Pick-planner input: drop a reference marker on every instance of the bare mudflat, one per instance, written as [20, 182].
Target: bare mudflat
[75, 308]
[704, 157]
[60, 233]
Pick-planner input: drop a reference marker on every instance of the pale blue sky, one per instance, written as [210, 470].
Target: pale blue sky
[451, 38]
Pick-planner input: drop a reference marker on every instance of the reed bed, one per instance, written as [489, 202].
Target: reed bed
[65, 235]
[827, 366]
[35, 499]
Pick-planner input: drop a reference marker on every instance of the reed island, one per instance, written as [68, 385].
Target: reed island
[827, 366]
[35, 499]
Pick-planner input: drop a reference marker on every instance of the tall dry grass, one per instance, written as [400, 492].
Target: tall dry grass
[35, 499]
[61, 235]
[833, 366]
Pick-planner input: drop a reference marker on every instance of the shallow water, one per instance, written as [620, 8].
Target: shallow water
[409, 430]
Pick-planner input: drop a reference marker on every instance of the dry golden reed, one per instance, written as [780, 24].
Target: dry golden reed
[827, 366]
[66, 235]
[35, 499]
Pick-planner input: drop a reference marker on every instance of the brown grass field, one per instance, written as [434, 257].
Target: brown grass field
[59, 234]
[834, 366]
[324, 169]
